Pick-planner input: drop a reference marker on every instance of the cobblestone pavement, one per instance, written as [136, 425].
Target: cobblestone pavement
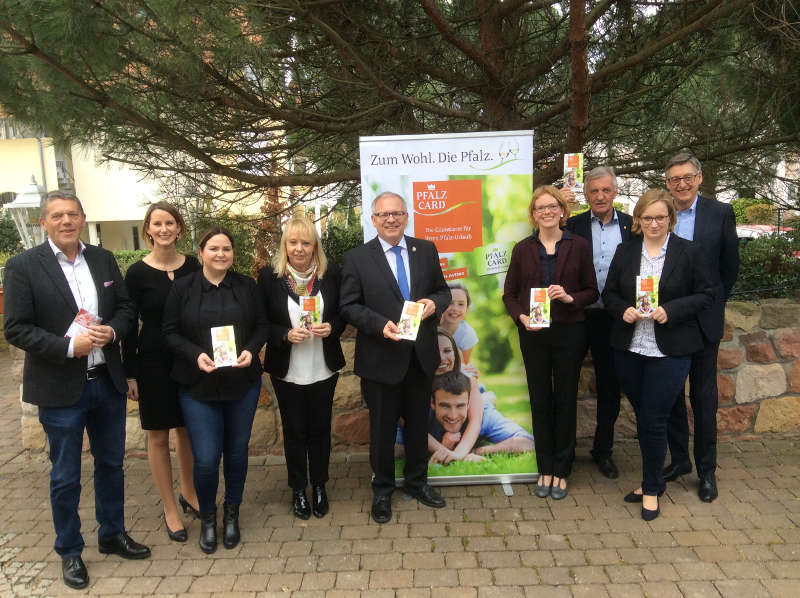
[483, 544]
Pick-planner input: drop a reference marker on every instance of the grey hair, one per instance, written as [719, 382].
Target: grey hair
[389, 194]
[683, 158]
[59, 194]
[599, 172]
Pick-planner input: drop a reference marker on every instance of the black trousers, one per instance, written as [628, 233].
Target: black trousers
[552, 358]
[409, 399]
[598, 338]
[306, 419]
[703, 398]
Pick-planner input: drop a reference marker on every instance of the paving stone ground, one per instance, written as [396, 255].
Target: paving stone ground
[484, 544]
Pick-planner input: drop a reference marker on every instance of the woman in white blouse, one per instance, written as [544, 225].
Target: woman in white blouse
[653, 347]
[304, 357]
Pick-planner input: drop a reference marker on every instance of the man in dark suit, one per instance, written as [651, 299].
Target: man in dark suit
[711, 225]
[74, 375]
[605, 228]
[396, 374]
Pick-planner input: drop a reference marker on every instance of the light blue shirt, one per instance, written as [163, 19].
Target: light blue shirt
[605, 238]
[684, 227]
[392, 261]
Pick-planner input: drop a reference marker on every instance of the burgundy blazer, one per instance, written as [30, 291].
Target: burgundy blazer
[574, 271]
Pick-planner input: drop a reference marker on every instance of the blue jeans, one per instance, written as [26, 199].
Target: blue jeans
[652, 385]
[218, 428]
[101, 411]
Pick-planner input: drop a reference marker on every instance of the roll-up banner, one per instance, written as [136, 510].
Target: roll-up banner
[469, 194]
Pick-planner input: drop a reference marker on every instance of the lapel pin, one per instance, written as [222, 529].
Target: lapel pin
[413, 248]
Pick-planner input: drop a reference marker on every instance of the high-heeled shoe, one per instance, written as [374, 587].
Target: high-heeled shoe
[648, 514]
[179, 535]
[187, 508]
[632, 497]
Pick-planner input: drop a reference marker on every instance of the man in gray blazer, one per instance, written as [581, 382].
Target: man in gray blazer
[74, 374]
[711, 225]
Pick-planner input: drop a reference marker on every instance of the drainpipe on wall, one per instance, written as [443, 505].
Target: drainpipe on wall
[41, 163]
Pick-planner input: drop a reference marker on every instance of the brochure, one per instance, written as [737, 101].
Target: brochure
[540, 308]
[223, 345]
[646, 294]
[310, 312]
[573, 172]
[410, 320]
[80, 325]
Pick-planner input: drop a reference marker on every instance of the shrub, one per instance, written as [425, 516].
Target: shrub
[760, 213]
[337, 239]
[10, 242]
[769, 267]
[740, 206]
[126, 257]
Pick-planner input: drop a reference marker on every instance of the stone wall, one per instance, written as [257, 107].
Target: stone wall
[758, 375]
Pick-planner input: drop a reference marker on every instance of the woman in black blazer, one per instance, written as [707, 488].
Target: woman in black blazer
[218, 400]
[652, 347]
[561, 262]
[303, 358]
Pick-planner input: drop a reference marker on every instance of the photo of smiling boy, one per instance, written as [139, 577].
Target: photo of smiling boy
[449, 407]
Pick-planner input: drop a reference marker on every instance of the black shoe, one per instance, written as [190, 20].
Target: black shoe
[632, 497]
[649, 515]
[319, 500]
[208, 532]
[187, 508]
[674, 470]
[123, 545]
[230, 525]
[381, 508]
[302, 509]
[74, 571]
[426, 495]
[179, 535]
[607, 467]
[708, 488]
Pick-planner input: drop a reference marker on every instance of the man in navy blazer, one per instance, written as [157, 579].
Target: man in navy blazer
[604, 227]
[711, 225]
[396, 374]
[77, 381]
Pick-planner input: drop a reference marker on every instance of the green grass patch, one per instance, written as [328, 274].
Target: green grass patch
[496, 464]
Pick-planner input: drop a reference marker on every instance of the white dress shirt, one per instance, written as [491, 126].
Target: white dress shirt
[80, 281]
[392, 260]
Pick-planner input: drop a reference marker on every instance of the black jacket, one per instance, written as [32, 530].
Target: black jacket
[684, 290]
[39, 307]
[370, 297]
[187, 335]
[275, 295]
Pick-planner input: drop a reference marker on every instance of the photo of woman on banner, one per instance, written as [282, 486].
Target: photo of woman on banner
[454, 320]
[469, 426]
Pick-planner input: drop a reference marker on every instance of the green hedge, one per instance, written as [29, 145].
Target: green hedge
[769, 267]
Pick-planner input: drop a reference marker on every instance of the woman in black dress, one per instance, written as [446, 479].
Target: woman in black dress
[147, 363]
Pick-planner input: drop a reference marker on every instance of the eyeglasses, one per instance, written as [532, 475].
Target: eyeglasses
[687, 178]
[650, 220]
[551, 208]
[384, 215]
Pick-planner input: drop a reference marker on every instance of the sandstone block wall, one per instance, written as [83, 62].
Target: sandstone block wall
[758, 378]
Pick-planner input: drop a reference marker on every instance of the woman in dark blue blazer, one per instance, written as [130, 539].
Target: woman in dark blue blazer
[218, 401]
[304, 357]
[652, 345]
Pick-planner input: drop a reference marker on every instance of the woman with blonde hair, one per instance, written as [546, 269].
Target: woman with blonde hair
[303, 359]
[555, 259]
[148, 364]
